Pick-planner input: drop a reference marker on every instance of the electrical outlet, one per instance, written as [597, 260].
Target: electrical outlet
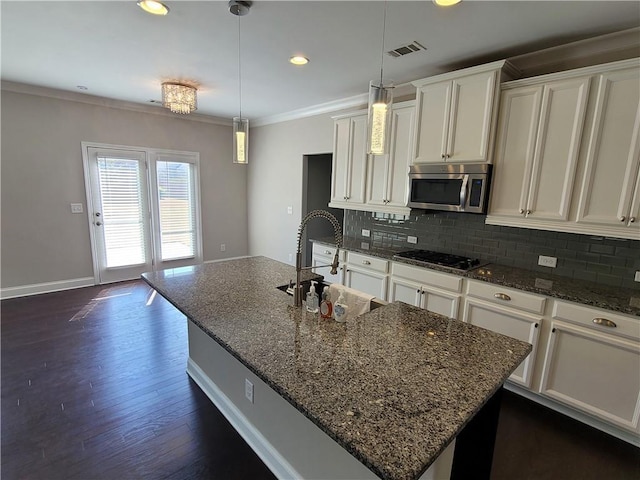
[248, 390]
[637, 277]
[366, 233]
[76, 208]
[547, 261]
[411, 239]
[223, 247]
[291, 257]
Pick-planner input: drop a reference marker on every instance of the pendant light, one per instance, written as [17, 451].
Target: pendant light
[380, 101]
[240, 125]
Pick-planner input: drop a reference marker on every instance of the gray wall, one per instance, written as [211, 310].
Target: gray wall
[607, 261]
[42, 173]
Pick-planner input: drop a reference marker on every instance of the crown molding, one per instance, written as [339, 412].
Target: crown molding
[27, 89]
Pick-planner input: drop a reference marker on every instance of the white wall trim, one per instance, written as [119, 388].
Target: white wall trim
[230, 258]
[109, 102]
[258, 443]
[47, 287]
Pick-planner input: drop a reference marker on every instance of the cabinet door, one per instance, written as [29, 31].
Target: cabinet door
[433, 103]
[441, 302]
[611, 166]
[469, 129]
[340, 164]
[517, 130]
[557, 147]
[400, 158]
[508, 322]
[594, 373]
[372, 283]
[358, 154]
[405, 291]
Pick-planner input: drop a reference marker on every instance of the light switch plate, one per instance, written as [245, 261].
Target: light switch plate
[76, 208]
[411, 239]
[547, 261]
[365, 232]
[248, 390]
[290, 210]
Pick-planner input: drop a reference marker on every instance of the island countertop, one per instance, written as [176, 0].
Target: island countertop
[393, 387]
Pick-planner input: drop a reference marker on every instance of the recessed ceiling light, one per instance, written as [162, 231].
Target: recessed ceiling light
[446, 3]
[154, 7]
[299, 60]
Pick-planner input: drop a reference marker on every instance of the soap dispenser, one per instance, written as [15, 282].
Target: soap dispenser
[326, 306]
[312, 298]
[340, 308]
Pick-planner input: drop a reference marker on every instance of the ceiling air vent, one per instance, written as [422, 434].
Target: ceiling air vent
[406, 49]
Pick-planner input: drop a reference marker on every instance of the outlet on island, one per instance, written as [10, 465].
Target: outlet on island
[547, 261]
[366, 233]
[248, 390]
[637, 277]
[223, 247]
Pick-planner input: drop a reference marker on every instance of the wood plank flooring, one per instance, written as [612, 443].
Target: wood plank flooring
[94, 387]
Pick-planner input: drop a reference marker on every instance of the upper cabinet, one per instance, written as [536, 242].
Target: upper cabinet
[375, 183]
[349, 160]
[455, 114]
[567, 152]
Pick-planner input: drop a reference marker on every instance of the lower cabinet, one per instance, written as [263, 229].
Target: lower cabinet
[367, 274]
[509, 312]
[592, 370]
[434, 291]
[322, 256]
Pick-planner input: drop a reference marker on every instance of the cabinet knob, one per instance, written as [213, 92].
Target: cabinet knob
[366, 262]
[623, 218]
[535, 325]
[502, 296]
[327, 252]
[605, 322]
[529, 212]
[98, 224]
[521, 211]
[443, 156]
[632, 219]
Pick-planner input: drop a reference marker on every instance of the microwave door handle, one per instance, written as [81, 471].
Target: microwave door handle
[463, 192]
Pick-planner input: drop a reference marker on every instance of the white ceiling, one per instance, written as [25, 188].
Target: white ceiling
[118, 51]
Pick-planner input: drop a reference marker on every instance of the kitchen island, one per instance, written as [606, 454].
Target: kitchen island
[393, 387]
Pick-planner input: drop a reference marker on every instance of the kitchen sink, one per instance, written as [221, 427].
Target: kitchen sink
[375, 302]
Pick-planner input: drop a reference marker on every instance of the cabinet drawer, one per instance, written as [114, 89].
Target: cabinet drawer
[327, 251]
[601, 320]
[506, 296]
[365, 261]
[424, 276]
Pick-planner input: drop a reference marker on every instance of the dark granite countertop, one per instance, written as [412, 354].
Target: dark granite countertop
[623, 300]
[393, 387]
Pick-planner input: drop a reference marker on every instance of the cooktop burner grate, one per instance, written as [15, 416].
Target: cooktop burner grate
[438, 258]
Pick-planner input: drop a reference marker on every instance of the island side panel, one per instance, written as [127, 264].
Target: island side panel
[289, 443]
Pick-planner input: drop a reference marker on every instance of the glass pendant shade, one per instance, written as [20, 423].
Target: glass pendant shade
[240, 140]
[379, 127]
[179, 98]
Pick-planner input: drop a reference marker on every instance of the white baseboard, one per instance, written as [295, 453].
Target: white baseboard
[48, 287]
[225, 259]
[258, 443]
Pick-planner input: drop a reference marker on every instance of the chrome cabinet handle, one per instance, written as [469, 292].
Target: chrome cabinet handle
[605, 322]
[327, 252]
[623, 218]
[366, 262]
[502, 296]
[632, 219]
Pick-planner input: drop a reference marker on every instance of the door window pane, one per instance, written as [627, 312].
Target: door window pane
[176, 210]
[122, 211]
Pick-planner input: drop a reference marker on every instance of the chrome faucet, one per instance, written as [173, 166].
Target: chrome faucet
[337, 229]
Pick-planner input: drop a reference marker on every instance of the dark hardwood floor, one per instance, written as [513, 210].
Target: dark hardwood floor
[94, 387]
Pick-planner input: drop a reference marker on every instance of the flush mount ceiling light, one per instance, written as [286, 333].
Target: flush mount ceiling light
[299, 60]
[179, 98]
[240, 125]
[154, 7]
[446, 3]
[380, 101]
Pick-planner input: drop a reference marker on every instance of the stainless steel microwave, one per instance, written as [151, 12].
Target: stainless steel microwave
[454, 187]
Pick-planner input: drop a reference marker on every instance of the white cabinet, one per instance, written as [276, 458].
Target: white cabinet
[349, 161]
[568, 152]
[323, 255]
[593, 367]
[505, 311]
[387, 175]
[434, 291]
[455, 115]
[367, 274]
[539, 134]
[609, 197]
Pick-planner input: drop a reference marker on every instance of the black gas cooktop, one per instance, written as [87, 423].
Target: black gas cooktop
[438, 258]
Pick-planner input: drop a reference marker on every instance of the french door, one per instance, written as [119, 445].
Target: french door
[143, 207]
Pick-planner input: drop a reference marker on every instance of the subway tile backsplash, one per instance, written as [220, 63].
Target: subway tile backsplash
[602, 260]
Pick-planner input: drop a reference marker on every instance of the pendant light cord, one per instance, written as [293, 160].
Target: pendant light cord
[384, 28]
[239, 69]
